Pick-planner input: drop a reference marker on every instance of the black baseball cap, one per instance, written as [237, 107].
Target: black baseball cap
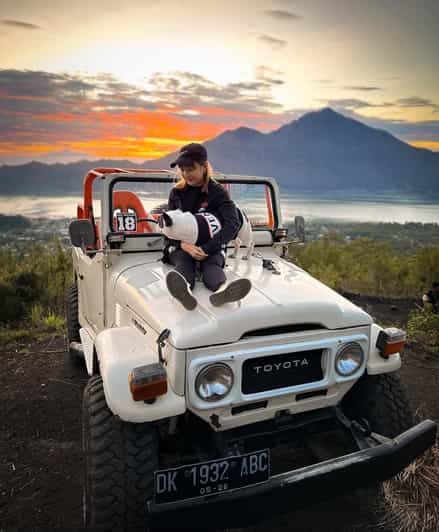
[189, 154]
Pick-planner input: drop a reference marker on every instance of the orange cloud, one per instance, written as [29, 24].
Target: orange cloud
[140, 134]
[428, 144]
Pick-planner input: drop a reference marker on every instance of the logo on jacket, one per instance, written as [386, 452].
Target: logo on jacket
[213, 223]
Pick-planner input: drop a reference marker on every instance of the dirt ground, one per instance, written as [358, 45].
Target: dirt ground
[40, 437]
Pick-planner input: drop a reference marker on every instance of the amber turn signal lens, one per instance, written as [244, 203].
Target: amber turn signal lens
[392, 348]
[391, 341]
[148, 382]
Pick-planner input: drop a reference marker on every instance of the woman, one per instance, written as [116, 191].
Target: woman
[196, 192]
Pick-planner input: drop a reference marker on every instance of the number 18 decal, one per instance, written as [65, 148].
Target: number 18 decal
[126, 222]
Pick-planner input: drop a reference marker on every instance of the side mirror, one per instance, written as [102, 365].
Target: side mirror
[82, 233]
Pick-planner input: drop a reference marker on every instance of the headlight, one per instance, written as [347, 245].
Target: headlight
[214, 382]
[348, 359]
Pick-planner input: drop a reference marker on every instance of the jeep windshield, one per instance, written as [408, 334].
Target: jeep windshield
[136, 203]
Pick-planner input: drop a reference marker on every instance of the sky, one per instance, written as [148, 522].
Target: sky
[139, 79]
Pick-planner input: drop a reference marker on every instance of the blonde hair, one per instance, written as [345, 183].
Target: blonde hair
[208, 176]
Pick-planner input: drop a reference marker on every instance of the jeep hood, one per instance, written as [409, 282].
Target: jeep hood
[290, 297]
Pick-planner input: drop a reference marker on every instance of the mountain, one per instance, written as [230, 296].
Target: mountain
[323, 151]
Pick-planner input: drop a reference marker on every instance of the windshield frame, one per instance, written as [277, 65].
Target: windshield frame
[113, 179]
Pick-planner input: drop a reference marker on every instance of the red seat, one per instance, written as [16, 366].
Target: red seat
[127, 202]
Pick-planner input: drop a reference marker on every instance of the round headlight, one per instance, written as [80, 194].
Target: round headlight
[214, 382]
[348, 359]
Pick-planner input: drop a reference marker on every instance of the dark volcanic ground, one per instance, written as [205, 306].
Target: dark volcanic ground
[40, 438]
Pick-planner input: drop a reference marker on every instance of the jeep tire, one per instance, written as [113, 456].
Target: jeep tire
[72, 322]
[119, 463]
[382, 401]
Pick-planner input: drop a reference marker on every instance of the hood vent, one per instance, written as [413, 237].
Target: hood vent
[283, 329]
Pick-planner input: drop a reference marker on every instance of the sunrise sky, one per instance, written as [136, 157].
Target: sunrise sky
[137, 79]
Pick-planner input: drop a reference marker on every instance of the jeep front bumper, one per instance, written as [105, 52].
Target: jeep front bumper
[293, 489]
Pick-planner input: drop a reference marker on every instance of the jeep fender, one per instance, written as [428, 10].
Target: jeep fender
[119, 350]
[376, 364]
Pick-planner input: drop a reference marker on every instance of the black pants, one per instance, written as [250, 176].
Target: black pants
[211, 268]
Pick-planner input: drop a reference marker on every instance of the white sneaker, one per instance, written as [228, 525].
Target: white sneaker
[231, 292]
[179, 288]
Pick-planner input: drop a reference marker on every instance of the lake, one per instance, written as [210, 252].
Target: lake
[362, 209]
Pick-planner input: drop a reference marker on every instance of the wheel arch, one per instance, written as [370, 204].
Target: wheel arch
[119, 350]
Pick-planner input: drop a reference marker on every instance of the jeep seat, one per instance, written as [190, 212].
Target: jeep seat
[126, 201]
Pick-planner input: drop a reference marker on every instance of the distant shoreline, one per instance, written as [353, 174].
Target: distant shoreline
[336, 195]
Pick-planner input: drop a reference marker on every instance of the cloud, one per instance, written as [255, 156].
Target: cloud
[354, 103]
[44, 113]
[269, 75]
[416, 101]
[346, 103]
[272, 41]
[282, 15]
[364, 88]
[187, 90]
[188, 112]
[19, 24]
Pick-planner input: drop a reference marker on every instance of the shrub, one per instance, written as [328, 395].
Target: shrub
[36, 315]
[11, 307]
[54, 322]
[35, 277]
[423, 328]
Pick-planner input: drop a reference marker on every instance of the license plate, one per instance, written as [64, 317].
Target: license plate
[211, 478]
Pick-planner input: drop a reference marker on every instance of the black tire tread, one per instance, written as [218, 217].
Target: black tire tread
[72, 322]
[382, 400]
[120, 461]
[72, 319]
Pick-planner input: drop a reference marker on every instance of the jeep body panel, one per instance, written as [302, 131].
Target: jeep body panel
[120, 350]
[328, 391]
[292, 297]
[376, 364]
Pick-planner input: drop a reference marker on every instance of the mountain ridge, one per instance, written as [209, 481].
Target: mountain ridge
[322, 151]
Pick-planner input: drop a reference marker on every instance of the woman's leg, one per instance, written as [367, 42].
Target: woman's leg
[184, 264]
[212, 270]
[181, 280]
[214, 278]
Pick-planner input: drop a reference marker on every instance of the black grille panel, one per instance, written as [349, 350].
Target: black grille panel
[279, 371]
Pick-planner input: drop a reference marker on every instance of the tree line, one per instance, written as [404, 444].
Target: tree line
[40, 274]
[368, 266]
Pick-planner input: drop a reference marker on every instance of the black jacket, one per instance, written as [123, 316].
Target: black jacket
[217, 201]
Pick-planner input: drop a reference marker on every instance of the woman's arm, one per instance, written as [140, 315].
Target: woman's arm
[173, 203]
[173, 200]
[225, 208]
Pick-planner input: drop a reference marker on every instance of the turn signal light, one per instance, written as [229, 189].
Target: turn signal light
[148, 382]
[391, 341]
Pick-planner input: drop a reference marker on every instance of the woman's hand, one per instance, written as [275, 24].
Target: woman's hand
[194, 251]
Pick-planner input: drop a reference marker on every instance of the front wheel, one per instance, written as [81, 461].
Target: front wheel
[72, 323]
[382, 400]
[120, 459]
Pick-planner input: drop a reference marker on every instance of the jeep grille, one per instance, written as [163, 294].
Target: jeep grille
[280, 371]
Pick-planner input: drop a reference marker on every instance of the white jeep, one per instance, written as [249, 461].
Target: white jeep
[284, 397]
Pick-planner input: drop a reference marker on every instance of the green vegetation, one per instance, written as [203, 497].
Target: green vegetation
[423, 329]
[401, 237]
[32, 284]
[368, 266]
[382, 259]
